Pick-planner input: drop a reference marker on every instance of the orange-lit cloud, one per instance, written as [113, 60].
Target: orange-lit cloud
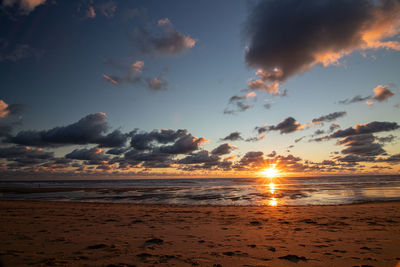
[381, 93]
[137, 66]
[3, 109]
[283, 43]
[26, 6]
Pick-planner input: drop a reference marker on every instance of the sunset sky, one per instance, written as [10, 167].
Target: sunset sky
[126, 89]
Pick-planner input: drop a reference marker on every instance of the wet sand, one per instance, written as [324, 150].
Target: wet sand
[86, 234]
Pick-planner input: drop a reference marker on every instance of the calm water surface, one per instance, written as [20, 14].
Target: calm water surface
[218, 191]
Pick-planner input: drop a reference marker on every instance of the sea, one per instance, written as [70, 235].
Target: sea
[279, 191]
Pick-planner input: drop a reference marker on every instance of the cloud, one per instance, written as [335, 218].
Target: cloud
[234, 136]
[328, 118]
[3, 109]
[168, 42]
[288, 125]
[255, 138]
[239, 103]
[108, 9]
[202, 156]
[372, 127]
[157, 84]
[137, 66]
[133, 75]
[235, 98]
[6, 123]
[223, 149]
[266, 81]
[88, 130]
[360, 141]
[90, 12]
[318, 132]
[17, 52]
[25, 6]
[6, 128]
[333, 127]
[362, 145]
[145, 141]
[95, 154]
[267, 105]
[185, 144]
[91, 9]
[355, 99]
[386, 139]
[381, 93]
[24, 152]
[290, 37]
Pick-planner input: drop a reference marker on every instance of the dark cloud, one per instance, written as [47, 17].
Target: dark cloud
[251, 159]
[355, 99]
[235, 136]
[391, 159]
[386, 139]
[288, 125]
[318, 132]
[255, 138]
[223, 149]
[155, 156]
[333, 127]
[117, 151]
[202, 156]
[154, 84]
[6, 128]
[299, 139]
[168, 42]
[372, 127]
[92, 154]
[185, 144]
[267, 105]
[330, 117]
[24, 152]
[361, 145]
[88, 130]
[289, 37]
[360, 141]
[371, 149]
[239, 103]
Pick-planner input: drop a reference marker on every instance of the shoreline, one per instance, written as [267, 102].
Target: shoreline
[113, 234]
[196, 206]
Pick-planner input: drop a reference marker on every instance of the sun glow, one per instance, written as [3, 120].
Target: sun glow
[270, 172]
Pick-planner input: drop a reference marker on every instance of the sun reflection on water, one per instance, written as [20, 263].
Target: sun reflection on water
[272, 201]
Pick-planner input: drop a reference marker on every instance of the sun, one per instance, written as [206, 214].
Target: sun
[271, 172]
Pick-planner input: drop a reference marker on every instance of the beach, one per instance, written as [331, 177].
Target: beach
[107, 234]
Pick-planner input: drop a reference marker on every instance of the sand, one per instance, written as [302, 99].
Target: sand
[88, 234]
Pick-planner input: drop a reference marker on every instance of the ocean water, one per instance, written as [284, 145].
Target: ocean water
[211, 191]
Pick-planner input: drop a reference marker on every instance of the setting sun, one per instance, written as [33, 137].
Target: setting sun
[271, 172]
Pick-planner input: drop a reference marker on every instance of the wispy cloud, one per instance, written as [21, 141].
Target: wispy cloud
[170, 42]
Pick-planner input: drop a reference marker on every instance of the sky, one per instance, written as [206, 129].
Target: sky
[135, 89]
